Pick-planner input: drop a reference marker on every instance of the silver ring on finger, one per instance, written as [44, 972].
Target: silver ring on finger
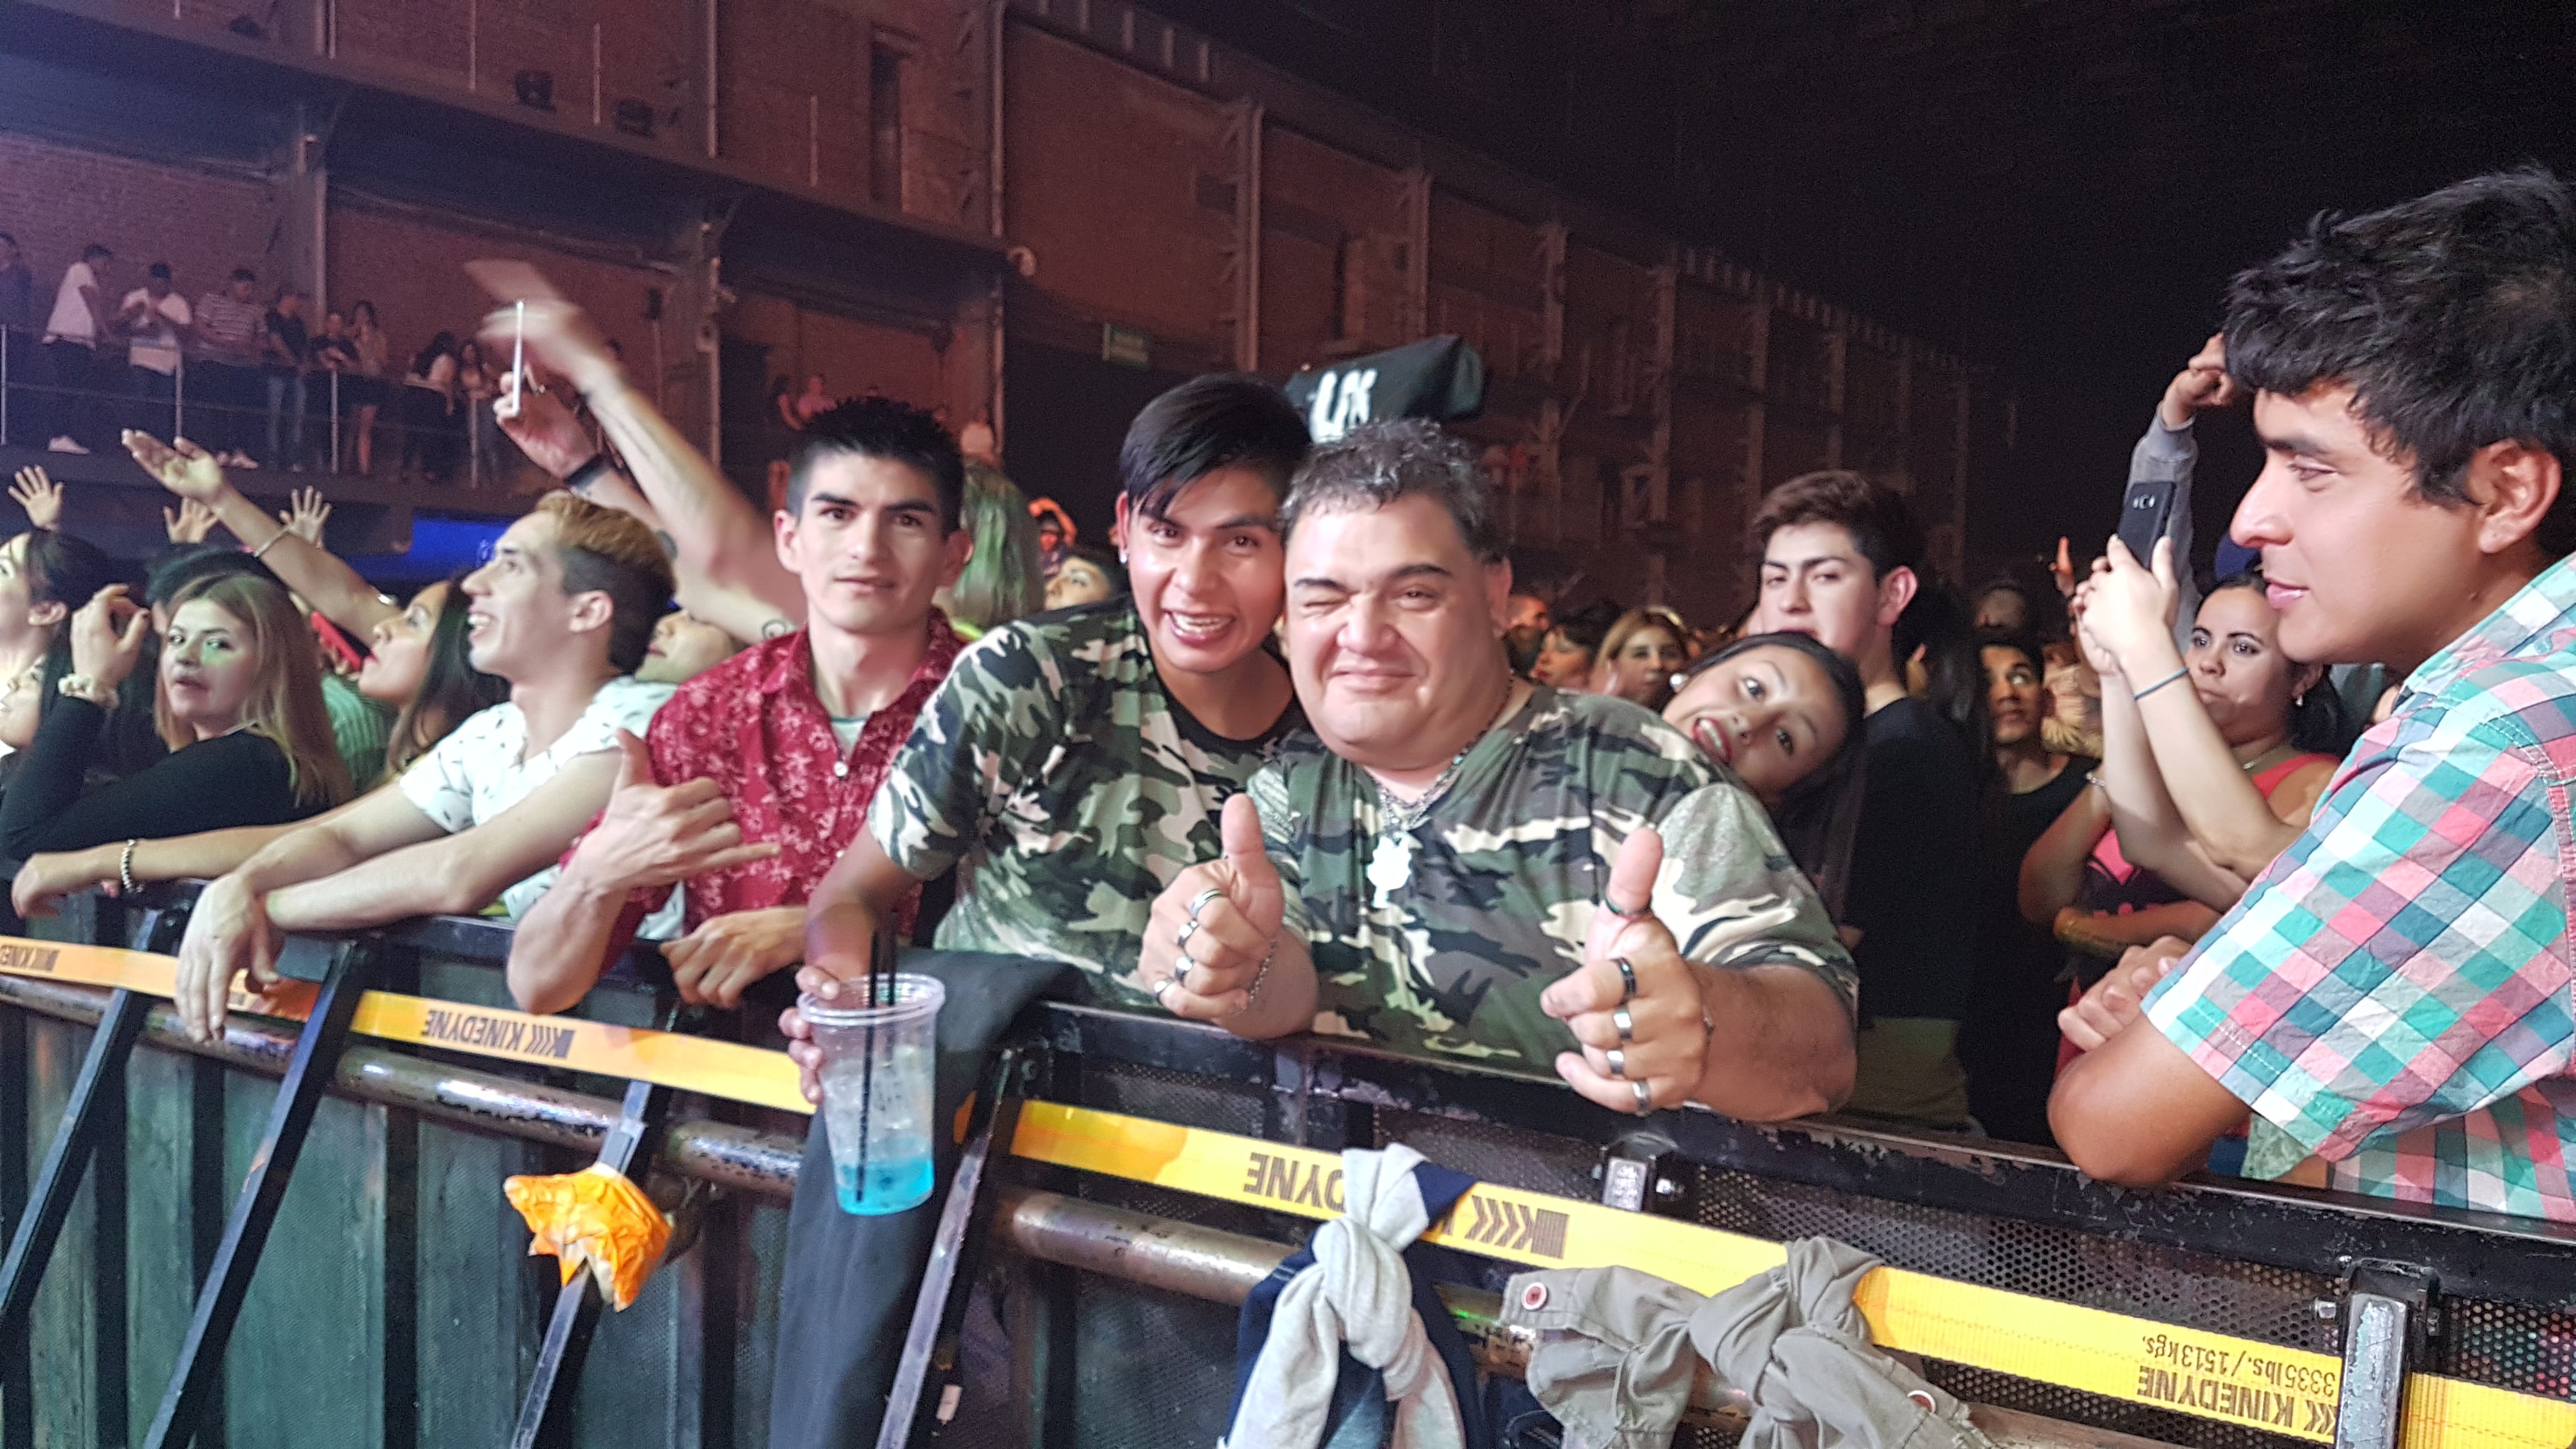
[1199, 902]
[1189, 928]
[1627, 979]
[1627, 1024]
[1165, 987]
[1618, 1062]
[1645, 1099]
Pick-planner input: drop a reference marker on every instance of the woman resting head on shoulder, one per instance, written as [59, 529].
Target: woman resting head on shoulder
[1784, 715]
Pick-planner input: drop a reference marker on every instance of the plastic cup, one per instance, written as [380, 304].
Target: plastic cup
[877, 1079]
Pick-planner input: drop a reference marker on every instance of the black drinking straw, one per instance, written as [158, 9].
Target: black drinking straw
[880, 993]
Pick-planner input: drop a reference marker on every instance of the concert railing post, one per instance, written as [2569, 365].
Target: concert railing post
[196, 1376]
[94, 1113]
[544, 1414]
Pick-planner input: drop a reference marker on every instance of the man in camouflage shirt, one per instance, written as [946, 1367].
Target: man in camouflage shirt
[1433, 874]
[1074, 762]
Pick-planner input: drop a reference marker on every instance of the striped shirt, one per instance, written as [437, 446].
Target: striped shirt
[2394, 993]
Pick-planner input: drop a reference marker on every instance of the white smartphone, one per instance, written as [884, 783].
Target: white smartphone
[506, 406]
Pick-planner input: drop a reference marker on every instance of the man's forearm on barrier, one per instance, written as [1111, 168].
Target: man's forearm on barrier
[1787, 1050]
[562, 943]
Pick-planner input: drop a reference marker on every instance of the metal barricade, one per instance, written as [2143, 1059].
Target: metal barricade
[1126, 1180]
[395, 1302]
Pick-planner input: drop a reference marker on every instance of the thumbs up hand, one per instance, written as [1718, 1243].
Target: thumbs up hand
[1216, 924]
[658, 835]
[1634, 1004]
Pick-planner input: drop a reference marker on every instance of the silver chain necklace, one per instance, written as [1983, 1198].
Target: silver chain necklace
[1400, 816]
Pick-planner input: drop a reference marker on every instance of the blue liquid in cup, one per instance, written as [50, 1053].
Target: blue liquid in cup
[889, 1185]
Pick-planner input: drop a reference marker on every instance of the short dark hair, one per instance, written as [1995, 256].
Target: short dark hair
[1376, 464]
[7, 239]
[67, 569]
[244, 274]
[897, 432]
[2019, 641]
[177, 570]
[1220, 420]
[160, 270]
[2451, 317]
[95, 252]
[1879, 520]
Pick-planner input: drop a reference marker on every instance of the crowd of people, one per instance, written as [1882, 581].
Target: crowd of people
[2098, 864]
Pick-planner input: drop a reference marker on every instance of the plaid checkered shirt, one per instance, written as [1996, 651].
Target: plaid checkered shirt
[2393, 994]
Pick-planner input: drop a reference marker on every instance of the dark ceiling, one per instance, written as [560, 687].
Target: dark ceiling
[2056, 187]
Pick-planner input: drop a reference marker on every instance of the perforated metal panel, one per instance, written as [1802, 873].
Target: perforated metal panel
[1168, 1096]
[2276, 1305]
[1152, 1370]
[2528, 1349]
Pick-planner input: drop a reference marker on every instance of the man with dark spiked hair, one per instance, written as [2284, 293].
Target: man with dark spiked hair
[2395, 997]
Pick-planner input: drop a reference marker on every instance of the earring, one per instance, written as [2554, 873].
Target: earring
[2299, 699]
[1122, 557]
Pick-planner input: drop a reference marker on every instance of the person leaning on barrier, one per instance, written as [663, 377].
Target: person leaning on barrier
[1074, 763]
[790, 738]
[2394, 993]
[238, 706]
[417, 664]
[562, 612]
[1461, 864]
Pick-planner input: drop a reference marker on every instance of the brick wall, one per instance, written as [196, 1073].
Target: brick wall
[413, 269]
[854, 357]
[1103, 184]
[56, 200]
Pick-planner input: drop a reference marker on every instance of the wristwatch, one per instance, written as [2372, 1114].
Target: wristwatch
[85, 687]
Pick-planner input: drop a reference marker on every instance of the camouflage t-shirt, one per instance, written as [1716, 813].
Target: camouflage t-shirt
[1441, 939]
[1067, 788]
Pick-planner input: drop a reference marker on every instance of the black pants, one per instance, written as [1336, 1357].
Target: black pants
[22, 419]
[226, 406]
[848, 1282]
[75, 413]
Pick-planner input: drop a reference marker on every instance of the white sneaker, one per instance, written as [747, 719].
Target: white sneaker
[64, 444]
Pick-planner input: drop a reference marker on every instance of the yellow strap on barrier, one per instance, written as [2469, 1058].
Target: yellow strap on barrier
[687, 1063]
[2213, 1376]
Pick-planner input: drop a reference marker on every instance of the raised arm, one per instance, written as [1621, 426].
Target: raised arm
[715, 533]
[332, 587]
[2229, 818]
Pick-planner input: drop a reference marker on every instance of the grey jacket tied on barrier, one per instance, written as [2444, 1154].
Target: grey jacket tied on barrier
[1618, 1348]
[1357, 1292]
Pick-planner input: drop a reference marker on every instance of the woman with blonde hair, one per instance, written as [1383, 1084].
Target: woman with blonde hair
[239, 706]
[1639, 656]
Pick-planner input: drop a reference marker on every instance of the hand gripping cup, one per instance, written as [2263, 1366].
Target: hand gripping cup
[877, 1076]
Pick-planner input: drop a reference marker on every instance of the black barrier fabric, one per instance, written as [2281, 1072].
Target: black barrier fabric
[1440, 378]
[851, 1280]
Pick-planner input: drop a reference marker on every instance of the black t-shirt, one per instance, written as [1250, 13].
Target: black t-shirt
[219, 784]
[1913, 873]
[291, 335]
[2009, 1042]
